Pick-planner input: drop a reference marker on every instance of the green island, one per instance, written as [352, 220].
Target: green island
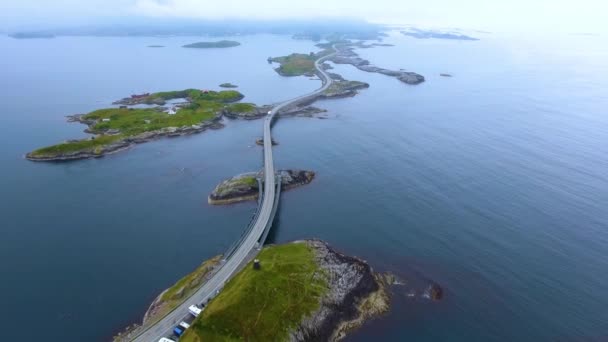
[298, 64]
[210, 45]
[118, 128]
[228, 85]
[265, 304]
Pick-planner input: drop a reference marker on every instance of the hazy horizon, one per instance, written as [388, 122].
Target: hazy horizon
[584, 16]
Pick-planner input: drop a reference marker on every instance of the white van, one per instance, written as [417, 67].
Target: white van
[194, 310]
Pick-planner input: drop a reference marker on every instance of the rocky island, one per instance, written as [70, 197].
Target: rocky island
[211, 45]
[427, 34]
[298, 64]
[306, 290]
[246, 187]
[347, 55]
[228, 85]
[323, 294]
[118, 128]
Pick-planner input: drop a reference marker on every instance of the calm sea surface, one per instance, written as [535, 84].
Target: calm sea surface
[493, 183]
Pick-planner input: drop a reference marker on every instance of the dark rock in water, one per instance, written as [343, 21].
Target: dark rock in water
[260, 142]
[354, 295]
[246, 186]
[435, 292]
[445, 75]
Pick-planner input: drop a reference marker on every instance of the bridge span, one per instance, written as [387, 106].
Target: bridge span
[252, 241]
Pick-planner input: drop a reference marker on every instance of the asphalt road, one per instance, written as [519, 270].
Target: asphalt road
[164, 327]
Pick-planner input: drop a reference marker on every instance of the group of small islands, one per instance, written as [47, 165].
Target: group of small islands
[307, 290]
[118, 128]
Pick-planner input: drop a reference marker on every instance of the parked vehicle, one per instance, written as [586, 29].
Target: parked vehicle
[164, 339]
[194, 310]
[179, 330]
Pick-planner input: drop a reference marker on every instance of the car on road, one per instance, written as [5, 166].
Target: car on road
[164, 339]
[179, 330]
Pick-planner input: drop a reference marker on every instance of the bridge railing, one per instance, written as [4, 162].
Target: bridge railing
[250, 225]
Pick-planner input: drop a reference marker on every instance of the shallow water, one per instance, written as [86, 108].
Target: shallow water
[493, 183]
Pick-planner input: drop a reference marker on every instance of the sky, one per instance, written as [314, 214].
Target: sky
[568, 16]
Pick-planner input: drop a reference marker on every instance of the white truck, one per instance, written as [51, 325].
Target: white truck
[194, 310]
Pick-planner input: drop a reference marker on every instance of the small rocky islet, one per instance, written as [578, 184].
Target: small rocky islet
[246, 186]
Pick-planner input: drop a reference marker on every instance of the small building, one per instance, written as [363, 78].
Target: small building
[172, 111]
[256, 264]
[147, 121]
[105, 119]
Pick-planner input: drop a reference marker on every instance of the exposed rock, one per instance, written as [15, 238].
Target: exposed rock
[434, 292]
[445, 75]
[343, 88]
[346, 55]
[255, 113]
[354, 294]
[306, 111]
[260, 142]
[246, 186]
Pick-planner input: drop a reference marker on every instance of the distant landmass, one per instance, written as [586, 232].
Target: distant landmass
[152, 27]
[210, 45]
[422, 34]
[31, 35]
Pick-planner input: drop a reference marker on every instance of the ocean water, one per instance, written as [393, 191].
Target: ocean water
[492, 183]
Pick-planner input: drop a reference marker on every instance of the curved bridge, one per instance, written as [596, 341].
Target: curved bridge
[252, 241]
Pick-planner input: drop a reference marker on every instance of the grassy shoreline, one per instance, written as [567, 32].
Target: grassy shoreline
[117, 125]
[265, 304]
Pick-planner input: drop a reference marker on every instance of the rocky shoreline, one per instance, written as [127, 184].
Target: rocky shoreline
[347, 55]
[246, 187]
[125, 143]
[355, 294]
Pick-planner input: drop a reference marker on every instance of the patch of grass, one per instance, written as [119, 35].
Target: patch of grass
[265, 304]
[74, 146]
[296, 64]
[183, 287]
[135, 121]
[208, 45]
[241, 107]
[251, 181]
[181, 290]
